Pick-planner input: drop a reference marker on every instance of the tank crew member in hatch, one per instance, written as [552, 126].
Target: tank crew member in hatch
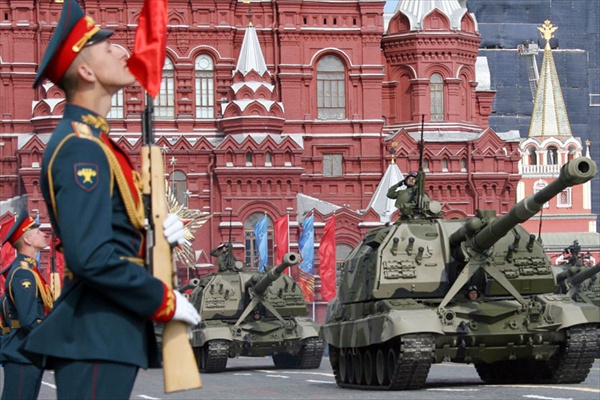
[405, 192]
[225, 259]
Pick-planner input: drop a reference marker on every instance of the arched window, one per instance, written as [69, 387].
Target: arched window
[436, 94]
[331, 88]
[564, 198]
[205, 92]
[445, 165]
[248, 158]
[116, 106]
[463, 165]
[532, 156]
[252, 258]
[552, 156]
[178, 184]
[426, 165]
[572, 153]
[164, 104]
[268, 159]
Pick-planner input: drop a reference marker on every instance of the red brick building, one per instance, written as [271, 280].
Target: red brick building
[285, 108]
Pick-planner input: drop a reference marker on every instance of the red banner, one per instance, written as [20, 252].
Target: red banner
[8, 252]
[327, 261]
[282, 238]
[59, 262]
[150, 49]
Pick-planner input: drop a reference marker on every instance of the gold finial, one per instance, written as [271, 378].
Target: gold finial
[547, 30]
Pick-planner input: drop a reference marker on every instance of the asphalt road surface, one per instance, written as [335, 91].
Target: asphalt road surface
[257, 378]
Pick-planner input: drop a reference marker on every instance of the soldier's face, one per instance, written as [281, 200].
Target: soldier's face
[109, 65]
[410, 181]
[473, 295]
[36, 238]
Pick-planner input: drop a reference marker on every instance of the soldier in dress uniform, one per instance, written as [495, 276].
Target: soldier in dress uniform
[26, 303]
[100, 331]
[406, 197]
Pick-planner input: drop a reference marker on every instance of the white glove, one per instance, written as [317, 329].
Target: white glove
[174, 230]
[185, 311]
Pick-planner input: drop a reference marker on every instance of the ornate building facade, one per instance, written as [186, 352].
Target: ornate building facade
[275, 107]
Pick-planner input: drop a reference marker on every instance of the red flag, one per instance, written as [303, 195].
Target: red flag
[8, 252]
[306, 281]
[150, 49]
[59, 263]
[327, 260]
[282, 238]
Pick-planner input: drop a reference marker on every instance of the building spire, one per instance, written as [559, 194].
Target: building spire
[549, 116]
[249, 2]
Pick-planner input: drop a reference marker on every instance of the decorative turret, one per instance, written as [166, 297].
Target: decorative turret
[431, 49]
[551, 144]
[253, 105]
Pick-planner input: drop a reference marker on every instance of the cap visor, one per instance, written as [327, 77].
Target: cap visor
[99, 36]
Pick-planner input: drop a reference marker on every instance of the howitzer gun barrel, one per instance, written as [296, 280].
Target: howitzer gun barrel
[289, 259]
[577, 275]
[194, 282]
[575, 172]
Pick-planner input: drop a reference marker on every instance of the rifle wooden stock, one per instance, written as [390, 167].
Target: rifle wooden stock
[179, 364]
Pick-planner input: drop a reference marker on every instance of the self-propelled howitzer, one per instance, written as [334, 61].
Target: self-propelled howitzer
[581, 283]
[259, 283]
[254, 315]
[402, 302]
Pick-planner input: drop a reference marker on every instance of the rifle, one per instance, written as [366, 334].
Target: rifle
[55, 284]
[420, 173]
[179, 364]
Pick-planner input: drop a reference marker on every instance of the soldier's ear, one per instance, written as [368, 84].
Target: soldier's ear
[86, 73]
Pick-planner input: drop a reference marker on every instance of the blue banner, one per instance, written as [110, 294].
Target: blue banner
[306, 243]
[262, 240]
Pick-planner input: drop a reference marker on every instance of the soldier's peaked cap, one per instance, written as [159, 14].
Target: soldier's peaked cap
[74, 31]
[23, 224]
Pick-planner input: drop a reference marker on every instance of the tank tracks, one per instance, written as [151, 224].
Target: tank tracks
[309, 356]
[571, 363]
[212, 356]
[399, 364]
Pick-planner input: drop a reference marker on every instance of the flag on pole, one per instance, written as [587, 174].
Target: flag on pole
[260, 234]
[306, 243]
[327, 260]
[150, 48]
[282, 237]
[56, 267]
[8, 252]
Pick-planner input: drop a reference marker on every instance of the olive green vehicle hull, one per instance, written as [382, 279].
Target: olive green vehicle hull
[402, 303]
[294, 343]
[254, 315]
[498, 336]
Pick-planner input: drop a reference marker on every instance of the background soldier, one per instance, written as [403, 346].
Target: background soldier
[26, 303]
